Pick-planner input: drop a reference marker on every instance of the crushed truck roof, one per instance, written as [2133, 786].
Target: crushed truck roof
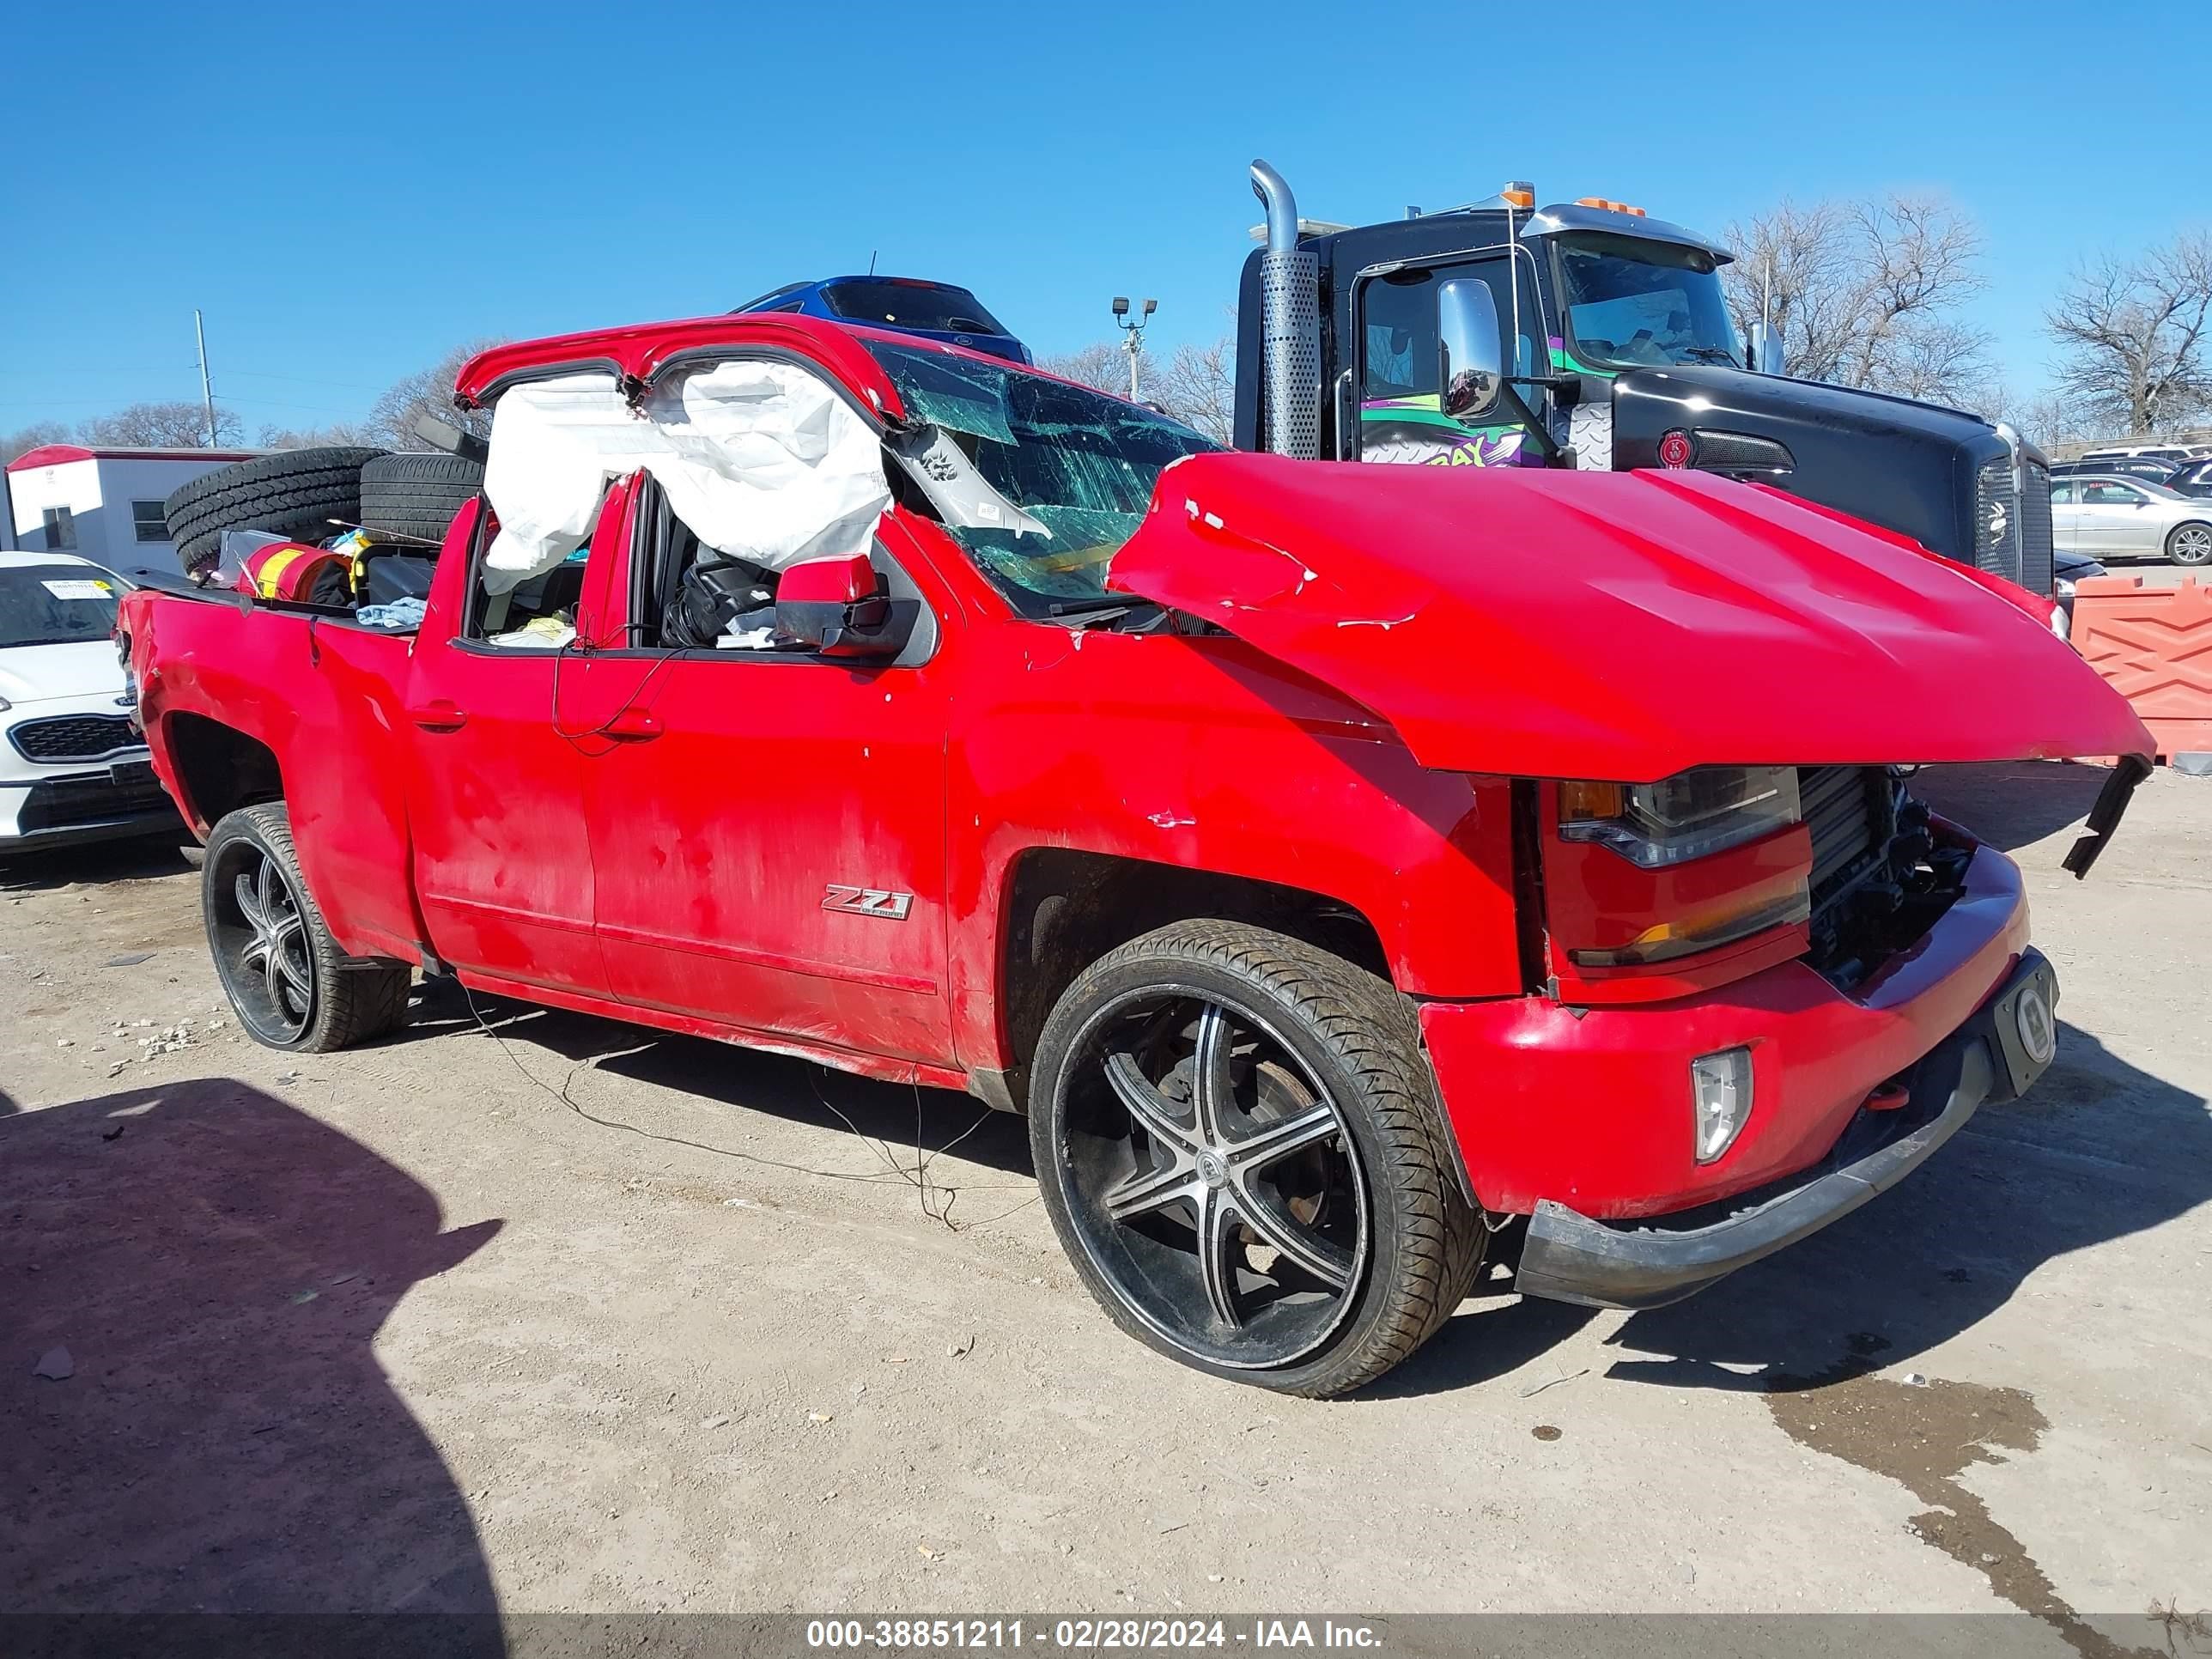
[642, 350]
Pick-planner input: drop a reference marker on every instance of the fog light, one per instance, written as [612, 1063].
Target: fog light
[2039, 1029]
[1720, 1094]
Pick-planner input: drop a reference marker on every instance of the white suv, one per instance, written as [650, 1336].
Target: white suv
[71, 768]
[2176, 454]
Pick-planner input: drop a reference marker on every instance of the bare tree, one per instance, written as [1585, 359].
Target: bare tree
[2049, 419]
[1866, 293]
[1198, 387]
[339, 434]
[427, 391]
[2132, 334]
[180, 424]
[37, 435]
[1101, 364]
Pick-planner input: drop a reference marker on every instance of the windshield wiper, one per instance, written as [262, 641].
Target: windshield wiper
[1100, 601]
[1710, 354]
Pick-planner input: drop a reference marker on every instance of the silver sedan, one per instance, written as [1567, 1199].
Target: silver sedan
[2110, 517]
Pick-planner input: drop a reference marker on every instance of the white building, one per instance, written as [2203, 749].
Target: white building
[104, 505]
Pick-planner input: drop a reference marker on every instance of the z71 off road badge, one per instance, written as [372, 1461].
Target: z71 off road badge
[868, 901]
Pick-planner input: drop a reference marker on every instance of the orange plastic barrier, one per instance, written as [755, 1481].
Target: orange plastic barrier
[2154, 647]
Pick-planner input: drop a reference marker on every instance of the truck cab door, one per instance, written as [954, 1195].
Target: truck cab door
[1392, 358]
[502, 858]
[770, 828]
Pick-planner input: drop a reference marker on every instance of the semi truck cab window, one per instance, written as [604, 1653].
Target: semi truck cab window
[1629, 301]
[1398, 329]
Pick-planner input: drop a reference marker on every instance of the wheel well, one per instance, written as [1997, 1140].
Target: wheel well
[1066, 909]
[219, 767]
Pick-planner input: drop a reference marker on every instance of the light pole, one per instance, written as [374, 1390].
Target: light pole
[1132, 334]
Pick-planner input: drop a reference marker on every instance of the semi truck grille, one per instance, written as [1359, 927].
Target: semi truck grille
[74, 737]
[1997, 520]
[2035, 571]
[1850, 811]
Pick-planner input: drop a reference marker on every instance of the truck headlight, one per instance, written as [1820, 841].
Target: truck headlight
[1688, 816]
[1720, 1095]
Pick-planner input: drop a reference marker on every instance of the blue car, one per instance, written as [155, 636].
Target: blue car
[935, 311]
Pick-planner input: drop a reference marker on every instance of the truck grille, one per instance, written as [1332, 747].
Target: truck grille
[1997, 520]
[1850, 811]
[74, 738]
[2035, 529]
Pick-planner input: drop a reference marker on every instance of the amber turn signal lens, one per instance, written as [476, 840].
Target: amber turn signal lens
[1583, 798]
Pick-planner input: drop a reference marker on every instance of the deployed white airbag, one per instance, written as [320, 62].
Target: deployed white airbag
[763, 461]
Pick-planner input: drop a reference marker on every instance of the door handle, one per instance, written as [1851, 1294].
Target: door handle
[439, 716]
[633, 725]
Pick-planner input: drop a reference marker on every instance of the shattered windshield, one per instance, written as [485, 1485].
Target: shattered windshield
[56, 604]
[1075, 467]
[1628, 300]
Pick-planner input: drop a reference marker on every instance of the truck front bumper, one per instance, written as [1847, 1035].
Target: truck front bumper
[1587, 1114]
[1994, 1057]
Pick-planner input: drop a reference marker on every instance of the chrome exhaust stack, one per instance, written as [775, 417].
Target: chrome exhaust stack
[1289, 324]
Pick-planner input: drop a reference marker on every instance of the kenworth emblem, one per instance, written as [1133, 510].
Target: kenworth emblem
[868, 901]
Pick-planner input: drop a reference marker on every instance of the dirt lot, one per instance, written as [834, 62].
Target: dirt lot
[587, 1318]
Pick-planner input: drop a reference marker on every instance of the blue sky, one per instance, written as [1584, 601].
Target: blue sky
[346, 200]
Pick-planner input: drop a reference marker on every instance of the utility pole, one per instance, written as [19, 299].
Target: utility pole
[1132, 334]
[207, 387]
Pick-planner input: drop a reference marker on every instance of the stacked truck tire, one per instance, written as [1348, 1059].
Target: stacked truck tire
[310, 495]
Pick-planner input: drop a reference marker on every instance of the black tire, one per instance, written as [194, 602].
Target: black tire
[295, 492]
[1394, 1243]
[290, 984]
[418, 495]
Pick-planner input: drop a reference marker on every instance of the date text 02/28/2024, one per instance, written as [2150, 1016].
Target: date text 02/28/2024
[1085, 1635]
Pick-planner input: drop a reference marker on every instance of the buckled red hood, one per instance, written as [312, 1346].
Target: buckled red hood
[1617, 625]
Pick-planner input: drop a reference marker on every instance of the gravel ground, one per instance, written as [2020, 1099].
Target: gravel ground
[585, 1318]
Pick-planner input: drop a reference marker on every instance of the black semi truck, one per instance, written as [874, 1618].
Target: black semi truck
[1591, 335]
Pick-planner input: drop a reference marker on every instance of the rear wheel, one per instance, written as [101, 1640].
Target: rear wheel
[290, 984]
[1238, 1144]
[2189, 544]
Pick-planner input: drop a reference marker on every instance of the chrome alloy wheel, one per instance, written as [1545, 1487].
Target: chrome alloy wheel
[260, 939]
[1212, 1179]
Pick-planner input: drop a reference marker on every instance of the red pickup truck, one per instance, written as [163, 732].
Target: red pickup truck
[1350, 871]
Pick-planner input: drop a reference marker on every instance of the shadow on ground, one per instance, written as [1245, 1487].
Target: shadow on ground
[2098, 1151]
[2012, 804]
[98, 861]
[216, 1266]
[747, 1080]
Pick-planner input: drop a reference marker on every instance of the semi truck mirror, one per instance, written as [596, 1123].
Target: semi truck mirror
[1471, 366]
[1766, 348]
